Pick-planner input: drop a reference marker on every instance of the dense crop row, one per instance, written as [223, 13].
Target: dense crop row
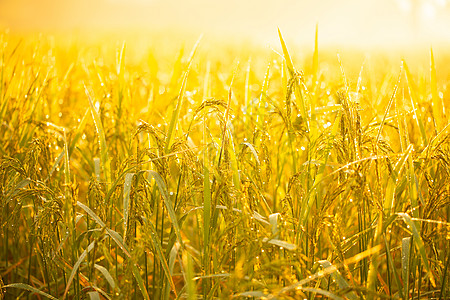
[219, 174]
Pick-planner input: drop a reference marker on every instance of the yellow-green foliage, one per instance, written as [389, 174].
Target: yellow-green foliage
[142, 170]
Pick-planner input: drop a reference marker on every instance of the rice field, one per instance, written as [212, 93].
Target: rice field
[218, 171]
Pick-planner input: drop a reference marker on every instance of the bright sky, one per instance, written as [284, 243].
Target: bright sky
[352, 22]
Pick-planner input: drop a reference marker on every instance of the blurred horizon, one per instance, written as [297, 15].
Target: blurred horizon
[367, 23]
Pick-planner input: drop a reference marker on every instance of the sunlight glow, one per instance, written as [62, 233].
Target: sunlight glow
[428, 10]
[349, 22]
[405, 5]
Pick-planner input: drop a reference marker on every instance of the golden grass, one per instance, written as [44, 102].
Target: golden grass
[222, 172]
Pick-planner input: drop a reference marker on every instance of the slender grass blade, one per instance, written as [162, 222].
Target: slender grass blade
[391, 263]
[419, 244]
[328, 294]
[189, 276]
[101, 137]
[27, 287]
[107, 275]
[114, 235]
[413, 91]
[206, 207]
[76, 266]
[337, 277]
[406, 242]
[126, 202]
[437, 107]
[140, 282]
[160, 254]
[172, 259]
[389, 204]
[176, 112]
[280, 243]
[163, 190]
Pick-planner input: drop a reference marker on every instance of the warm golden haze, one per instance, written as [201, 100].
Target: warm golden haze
[347, 22]
[196, 149]
[164, 168]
